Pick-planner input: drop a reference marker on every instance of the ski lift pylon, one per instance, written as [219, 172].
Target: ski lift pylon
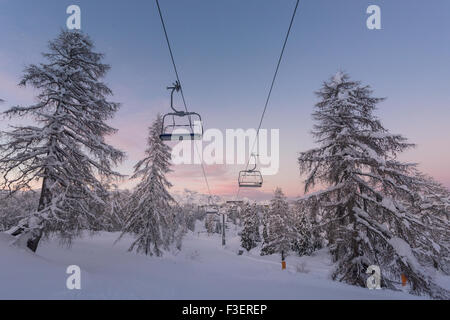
[175, 130]
[250, 178]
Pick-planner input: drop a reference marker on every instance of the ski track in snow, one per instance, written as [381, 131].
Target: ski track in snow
[203, 269]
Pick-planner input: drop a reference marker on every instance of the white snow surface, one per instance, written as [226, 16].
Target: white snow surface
[203, 269]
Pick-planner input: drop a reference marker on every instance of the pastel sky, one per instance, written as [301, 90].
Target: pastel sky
[226, 52]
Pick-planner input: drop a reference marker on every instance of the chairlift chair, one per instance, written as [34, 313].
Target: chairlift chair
[173, 125]
[250, 178]
[235, 202]
[212, 209]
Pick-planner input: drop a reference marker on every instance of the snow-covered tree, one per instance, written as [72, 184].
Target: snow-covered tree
[250, 236]
[307, 237]
[151, 209]
[113, 211]
[218, 226]
[265, 222]
[366, 187]
[279, 233]
[433, 208]
[189, 213]
[190, 209]
[435, 201]
[65, 153]
[234, 212]
[16, 207]
[210, 223]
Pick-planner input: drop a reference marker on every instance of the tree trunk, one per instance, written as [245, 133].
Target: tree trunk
[44, 201]
[34, 235]
[33, 242]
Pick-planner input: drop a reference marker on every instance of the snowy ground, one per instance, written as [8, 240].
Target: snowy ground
[202, 270]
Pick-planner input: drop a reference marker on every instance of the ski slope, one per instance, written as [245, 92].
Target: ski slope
[203, 269]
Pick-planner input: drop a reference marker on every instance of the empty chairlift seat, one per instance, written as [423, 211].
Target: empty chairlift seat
[250, 178]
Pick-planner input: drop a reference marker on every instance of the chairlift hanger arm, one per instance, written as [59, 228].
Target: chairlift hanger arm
[175, 87]
[254, 167]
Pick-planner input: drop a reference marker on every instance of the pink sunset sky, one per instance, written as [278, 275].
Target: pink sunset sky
[226, 53]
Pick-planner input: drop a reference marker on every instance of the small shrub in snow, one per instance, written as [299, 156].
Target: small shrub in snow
[301, 267]
[194, 255]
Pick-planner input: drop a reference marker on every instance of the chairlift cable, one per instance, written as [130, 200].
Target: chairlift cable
[272, 85]
[181, 90]
[171, 54]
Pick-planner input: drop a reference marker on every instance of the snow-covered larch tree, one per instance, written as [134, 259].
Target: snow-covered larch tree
[250, 236]
[305, 217]
[433, 208]
[190, 209]
[366, 186]
[15, 208]
[113, 212]
[279, 233]
[151, 214]
[210, 223]
[65, 153]
[265, 222]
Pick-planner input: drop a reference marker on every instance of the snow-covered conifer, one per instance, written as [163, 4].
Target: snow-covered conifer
[218, 226]
[210, 223]
[250, 233]
[190, 209]
[307, 237]
[114, 210]
[433, 208]
[279, 233]
[16, 207]
[363, 204]
[151, 213]
[65, 152]
[265, 222]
